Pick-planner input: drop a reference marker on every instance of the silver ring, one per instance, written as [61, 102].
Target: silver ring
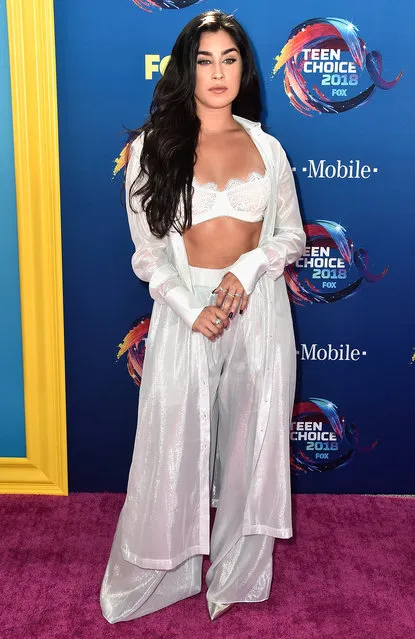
[218, 321]
[223, 289]
[230, 294]
[238, 295]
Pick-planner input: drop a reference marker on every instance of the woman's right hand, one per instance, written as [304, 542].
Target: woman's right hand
[205, 322]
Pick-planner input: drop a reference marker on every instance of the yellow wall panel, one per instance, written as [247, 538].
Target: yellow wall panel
[35, 130]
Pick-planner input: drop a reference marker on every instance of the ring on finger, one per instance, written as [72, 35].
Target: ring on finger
[218, 321]
[238, 295]
[230, 294]
[224, 290]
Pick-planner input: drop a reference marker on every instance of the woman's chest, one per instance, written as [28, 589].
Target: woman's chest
[221, 160]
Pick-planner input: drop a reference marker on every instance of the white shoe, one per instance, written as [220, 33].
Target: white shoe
[218, 609]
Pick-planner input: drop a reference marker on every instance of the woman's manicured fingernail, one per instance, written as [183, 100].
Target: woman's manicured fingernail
[214, 291]
[240, 312]
[230, 315]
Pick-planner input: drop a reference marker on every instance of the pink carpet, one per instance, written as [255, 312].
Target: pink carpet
[348, 573]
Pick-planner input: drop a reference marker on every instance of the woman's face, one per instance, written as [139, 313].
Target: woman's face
[218, 70]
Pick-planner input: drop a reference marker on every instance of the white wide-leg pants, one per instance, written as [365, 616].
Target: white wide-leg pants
[241, 566]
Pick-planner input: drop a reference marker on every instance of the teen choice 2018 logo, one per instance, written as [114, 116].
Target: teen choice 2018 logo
[331, 268]
[148, 5]
[328, 68]
[321, 439]
[134, 344]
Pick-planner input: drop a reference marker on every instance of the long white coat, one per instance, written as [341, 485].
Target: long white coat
[165, 517]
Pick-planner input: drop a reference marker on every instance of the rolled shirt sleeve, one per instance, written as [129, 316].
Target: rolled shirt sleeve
[287, 244]
[150, 261]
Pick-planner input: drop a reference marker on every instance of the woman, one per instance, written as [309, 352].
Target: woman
[214, 217]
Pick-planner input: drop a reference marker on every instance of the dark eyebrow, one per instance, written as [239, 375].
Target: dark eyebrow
[223, 52]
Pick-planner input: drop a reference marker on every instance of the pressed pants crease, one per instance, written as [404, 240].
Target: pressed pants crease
[241, 566]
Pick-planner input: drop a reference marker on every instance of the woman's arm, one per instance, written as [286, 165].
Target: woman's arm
[150, 261]
[288, 242]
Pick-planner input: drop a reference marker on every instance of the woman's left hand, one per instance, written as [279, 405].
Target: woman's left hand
[231, 295]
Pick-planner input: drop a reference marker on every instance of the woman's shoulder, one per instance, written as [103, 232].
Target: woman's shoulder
[273, 141]
[256, 128]
[136, 144]
[131, 150]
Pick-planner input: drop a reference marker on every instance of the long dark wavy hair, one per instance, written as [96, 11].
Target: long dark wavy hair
[172, 129]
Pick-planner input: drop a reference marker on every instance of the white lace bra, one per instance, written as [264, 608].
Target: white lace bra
[244, 200]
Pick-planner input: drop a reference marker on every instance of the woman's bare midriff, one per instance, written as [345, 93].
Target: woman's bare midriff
[217, 243]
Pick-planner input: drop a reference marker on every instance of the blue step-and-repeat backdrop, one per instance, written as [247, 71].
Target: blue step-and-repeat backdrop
[338, 93]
